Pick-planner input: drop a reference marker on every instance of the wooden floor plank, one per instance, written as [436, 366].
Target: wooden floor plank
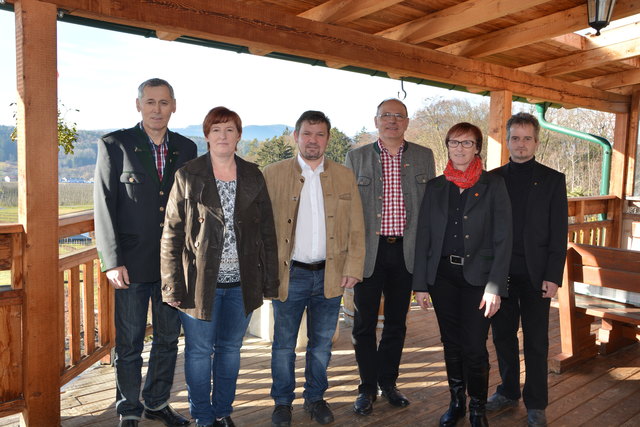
[603, 391]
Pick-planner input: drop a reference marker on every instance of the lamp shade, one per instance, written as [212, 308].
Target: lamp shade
[600, 12]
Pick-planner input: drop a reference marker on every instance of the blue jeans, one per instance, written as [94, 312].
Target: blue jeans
[131, 321]
[212, 352]
[306, 290]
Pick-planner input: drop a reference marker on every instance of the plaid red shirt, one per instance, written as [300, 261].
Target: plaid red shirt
[159, 152]
[394, 216]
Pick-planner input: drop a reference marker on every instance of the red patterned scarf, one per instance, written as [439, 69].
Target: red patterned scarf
[464, 179]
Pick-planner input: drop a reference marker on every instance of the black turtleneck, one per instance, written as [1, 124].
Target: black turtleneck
[519, 178]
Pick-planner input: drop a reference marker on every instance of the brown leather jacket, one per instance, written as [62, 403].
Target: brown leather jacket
[192, 240]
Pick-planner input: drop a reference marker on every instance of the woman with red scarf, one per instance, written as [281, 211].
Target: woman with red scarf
[463, 249]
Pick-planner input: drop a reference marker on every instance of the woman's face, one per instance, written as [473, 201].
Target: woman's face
[461, 156]
[223, 138]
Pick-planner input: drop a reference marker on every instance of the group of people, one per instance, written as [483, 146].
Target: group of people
[207, 239]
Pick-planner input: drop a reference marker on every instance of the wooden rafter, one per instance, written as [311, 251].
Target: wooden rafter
[585, 60]
[534, 31]
[610, 81]
[454, 18]
[340, 11]
[238, 23]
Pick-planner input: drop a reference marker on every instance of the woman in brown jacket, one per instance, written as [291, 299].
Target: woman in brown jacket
[219, 260]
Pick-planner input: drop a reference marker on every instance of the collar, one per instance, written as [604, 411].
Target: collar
[165, 140]
[377, 146]
[305, 167]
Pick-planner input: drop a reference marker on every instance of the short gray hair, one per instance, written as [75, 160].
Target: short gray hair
[155, 82]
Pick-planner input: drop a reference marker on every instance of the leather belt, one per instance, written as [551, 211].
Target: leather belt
[454, 259]
[311, 267]
[391, 239]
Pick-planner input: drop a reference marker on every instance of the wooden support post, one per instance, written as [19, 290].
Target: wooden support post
[619, 163]
[497, 153]
[633, 141]
[38, 208]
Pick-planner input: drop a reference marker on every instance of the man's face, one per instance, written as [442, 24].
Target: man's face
[312, 140]
[522, 143]
[156, 107]
[389, 126]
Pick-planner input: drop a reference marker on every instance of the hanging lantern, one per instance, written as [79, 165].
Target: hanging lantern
[600, 12]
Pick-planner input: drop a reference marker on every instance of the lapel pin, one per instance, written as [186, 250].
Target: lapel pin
[476, 194]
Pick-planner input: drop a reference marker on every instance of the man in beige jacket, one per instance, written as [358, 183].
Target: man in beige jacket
[320, 232]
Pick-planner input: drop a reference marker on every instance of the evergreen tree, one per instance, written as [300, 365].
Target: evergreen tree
[339, 145]
[274, 149]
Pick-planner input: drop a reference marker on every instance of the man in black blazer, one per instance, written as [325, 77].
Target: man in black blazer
[539, 205]
[134, 174]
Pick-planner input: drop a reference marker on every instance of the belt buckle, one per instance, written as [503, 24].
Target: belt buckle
[456, 260]
[391, 239]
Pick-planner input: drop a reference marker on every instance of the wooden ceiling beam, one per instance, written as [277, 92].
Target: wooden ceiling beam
[454, 18]
[585, 60]
[269, 29]
[341, 11]
[534, 31]
[611, 81]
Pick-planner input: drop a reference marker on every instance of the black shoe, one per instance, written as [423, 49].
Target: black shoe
[128, 423]
[281, 416]
[394, 396]
[204, 425]
[168, 416]
[364, 404]
[536, 418]
[225, 422]
[320, 411]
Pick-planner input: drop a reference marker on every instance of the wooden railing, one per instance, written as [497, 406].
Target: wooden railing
[85, 313]
[591, 220]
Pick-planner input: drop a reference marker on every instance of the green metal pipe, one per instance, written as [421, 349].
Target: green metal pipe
[541, 109]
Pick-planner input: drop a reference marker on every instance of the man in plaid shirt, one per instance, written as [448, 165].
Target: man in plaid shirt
[391, 174]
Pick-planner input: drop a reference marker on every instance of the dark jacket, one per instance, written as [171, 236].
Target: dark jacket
[546, 224]
[129, 200]
[487, 231]
[193, 238]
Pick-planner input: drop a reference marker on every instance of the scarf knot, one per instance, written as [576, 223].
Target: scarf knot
[467, 178]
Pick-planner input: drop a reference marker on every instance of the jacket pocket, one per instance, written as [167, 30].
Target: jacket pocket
[131, 177]
[364, 180]
[422, 178]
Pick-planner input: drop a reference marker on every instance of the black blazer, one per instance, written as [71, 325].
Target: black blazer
[487, 229]
[546, 224]
[129, 200]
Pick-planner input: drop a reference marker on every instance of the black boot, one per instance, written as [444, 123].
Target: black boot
[457, 405]
[477, 385]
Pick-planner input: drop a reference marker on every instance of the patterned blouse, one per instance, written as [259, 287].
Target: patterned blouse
[229, 271]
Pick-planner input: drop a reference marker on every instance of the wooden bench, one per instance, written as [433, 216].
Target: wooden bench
[597, 266]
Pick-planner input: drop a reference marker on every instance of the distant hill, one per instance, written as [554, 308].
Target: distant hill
[81, 165]
[249, 133]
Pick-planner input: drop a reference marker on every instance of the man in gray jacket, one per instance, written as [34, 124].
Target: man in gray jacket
[391, 174]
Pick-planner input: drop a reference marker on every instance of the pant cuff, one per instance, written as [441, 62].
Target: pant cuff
[157, 408]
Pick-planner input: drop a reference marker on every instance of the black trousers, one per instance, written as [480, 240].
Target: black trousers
[379, 364]
[525, 304]
[463, 327]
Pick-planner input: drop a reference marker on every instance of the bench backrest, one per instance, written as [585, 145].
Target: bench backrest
[602, 266]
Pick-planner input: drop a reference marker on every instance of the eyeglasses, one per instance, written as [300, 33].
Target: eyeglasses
[388, 116]
[452, 143]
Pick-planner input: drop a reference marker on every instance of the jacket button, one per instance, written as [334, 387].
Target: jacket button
[161, 193]
[286, 263]
[468, 256]
[289, 220]
[197, 244]
[286, 240]
[465, 217]
[200, 219]
[132, 180]
[162, 224]
[161, 208]
[466, 236]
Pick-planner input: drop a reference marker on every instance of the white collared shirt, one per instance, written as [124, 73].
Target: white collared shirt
[311, 238]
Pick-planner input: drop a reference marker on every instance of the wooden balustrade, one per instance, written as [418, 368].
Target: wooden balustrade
[591, 220]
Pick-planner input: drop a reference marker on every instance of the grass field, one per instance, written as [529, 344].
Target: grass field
[10, 214]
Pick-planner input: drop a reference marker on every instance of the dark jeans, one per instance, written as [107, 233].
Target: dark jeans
[463, 327]
[379, 364]
[131, 319]
[525, 303]
[306, 290]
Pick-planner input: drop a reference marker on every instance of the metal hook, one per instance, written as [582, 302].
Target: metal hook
[403, 91]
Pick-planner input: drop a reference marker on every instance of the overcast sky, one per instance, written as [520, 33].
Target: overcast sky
[100, 70]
